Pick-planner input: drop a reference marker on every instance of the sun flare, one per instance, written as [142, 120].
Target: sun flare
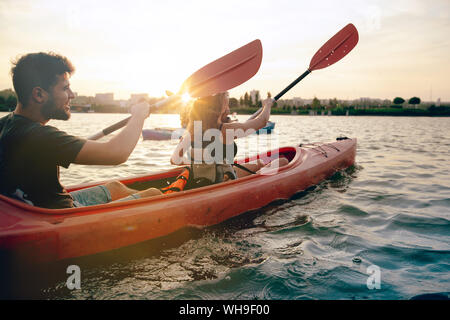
[186, 97]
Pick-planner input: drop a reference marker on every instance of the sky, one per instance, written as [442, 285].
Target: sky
[146, 46]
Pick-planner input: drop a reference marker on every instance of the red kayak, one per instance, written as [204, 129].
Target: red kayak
[44, 235]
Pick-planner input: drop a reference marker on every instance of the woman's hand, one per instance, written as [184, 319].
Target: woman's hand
[268, 103]
[140, 110]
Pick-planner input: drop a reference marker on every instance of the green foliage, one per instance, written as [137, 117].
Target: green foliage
[439, 111]
[8, 100]
[247, 101]
[233, 102]
[6, 93]
[257, 100]
[334, 103]
[316, 104]
[389, 112]
[11, 102]
[414, 100]
[399, 100]
[338, 111]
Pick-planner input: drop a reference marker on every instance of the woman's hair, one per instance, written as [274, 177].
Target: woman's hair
[207, 110]
[38, 70]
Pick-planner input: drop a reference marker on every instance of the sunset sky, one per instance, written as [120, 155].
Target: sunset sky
[150, 46]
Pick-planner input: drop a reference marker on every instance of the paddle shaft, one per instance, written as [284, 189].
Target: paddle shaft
[289, 87]
[278, 96]
[124, 122]
[110, 129]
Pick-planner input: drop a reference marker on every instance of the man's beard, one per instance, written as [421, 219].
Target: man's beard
[50, 111]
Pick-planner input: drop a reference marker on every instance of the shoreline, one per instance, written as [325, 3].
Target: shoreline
[381, 112]
[443, 111]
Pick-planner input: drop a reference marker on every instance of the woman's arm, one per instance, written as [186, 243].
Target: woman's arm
[253, 116]
[235, 130]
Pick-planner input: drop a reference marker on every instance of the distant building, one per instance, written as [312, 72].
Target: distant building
[82, 100]
[253, 94]
[81, 103]
[104, 98]
[121, 103]
[364, 101]
[307, 101]
[134, 98]
[298, 102]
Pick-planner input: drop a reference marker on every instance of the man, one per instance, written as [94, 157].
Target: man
[32, 151]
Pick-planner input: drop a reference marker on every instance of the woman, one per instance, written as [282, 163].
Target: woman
[209, 141]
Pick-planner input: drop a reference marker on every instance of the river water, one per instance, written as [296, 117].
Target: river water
[378, 230]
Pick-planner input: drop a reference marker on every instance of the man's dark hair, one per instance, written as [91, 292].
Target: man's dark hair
[38, 70]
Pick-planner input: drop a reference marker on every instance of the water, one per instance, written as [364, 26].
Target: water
[391, 210]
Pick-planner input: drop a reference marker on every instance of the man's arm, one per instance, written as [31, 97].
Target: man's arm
[118, 149]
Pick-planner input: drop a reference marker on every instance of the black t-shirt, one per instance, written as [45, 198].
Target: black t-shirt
[30, 156]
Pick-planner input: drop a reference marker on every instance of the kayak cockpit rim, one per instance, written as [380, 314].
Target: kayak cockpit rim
[291, 153]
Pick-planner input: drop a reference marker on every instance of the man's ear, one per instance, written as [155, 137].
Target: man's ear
[39, 95]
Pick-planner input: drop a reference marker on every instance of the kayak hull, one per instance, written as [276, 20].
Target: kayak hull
[267, 129]
[168, 134]
[44, 235]
[162, 134]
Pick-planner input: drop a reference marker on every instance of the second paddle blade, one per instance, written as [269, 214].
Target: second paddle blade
[336, 48]
[226, 72]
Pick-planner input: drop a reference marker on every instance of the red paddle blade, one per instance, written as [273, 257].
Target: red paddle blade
[336, 48]
[225, 73]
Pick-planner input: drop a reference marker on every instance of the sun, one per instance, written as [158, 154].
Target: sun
[186, 97]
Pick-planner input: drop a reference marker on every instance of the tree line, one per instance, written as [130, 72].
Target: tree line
[395, 107]
[248, 104]
[8, 100]
[247, 100]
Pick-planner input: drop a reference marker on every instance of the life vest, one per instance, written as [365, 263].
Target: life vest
[195, 177]
[204, 174]
[186, 179]
[180, 182]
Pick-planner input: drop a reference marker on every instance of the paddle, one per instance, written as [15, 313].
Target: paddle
[220, 75]
[331, 52]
